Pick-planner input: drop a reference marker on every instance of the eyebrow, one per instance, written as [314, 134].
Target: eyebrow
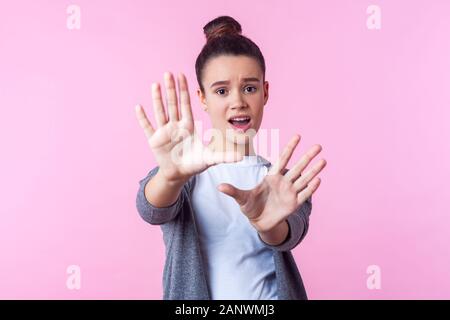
[227, 82]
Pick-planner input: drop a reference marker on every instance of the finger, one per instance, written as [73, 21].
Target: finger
[285, 155]
[186, 110]
[305, 179]
[305, 194]
[158, 106]
[143, 121]
[237, 194]
[171, 93]
[298, 168]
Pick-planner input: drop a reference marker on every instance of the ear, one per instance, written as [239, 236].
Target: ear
[202, 99]
[266, 91]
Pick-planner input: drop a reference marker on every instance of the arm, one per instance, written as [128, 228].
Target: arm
[160, 194]
[298, 224]
[158, 201]
[277, 235]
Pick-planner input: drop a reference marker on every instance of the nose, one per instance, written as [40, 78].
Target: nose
[238, 101]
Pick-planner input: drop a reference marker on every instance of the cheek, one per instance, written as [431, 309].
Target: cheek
[259, 114]
[219, 116]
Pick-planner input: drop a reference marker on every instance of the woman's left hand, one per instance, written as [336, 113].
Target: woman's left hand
[280, 193]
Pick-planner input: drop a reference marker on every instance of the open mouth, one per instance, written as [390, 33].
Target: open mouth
[240, 123]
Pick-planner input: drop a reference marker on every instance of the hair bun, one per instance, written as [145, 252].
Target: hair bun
[220, 26]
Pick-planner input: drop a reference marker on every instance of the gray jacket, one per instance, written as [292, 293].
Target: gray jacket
[183, 276]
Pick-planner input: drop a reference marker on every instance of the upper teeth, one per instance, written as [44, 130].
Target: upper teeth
[240, 119]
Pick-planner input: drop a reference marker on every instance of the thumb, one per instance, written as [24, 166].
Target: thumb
[239, 195]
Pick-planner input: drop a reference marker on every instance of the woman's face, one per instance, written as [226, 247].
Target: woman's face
[234, 88]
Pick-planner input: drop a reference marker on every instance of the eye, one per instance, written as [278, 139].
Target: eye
[221, 89]
[251, 87]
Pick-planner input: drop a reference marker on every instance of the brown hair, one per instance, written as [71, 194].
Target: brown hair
[223, 37]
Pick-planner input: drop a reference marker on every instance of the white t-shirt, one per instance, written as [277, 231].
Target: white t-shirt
[237, 264]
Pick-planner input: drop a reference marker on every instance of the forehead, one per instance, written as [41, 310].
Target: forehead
[231, 68]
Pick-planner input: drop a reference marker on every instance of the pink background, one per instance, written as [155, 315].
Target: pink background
[72, 152]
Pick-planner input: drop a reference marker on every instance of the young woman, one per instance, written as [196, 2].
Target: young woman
[229, 217]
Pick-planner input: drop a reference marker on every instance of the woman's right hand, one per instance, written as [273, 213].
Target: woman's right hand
[178, 150]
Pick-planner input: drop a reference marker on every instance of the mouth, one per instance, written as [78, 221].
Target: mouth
[240, 123]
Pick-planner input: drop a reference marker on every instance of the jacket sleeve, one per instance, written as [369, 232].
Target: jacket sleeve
[298, 223]
[150, 213]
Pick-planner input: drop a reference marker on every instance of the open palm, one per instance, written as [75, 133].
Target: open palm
[179, 151]
[281, 192]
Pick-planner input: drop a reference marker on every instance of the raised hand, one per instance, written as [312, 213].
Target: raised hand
[279, 195]
[178, 150]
